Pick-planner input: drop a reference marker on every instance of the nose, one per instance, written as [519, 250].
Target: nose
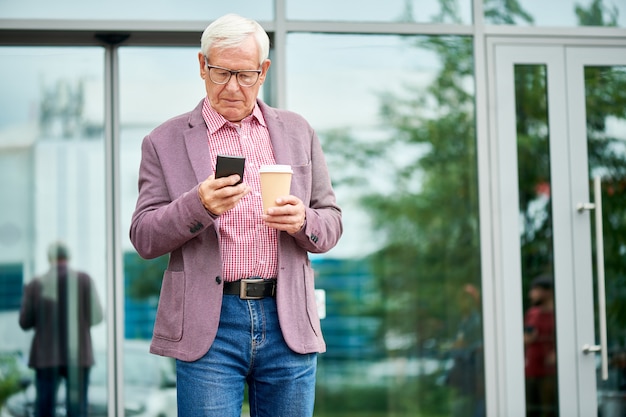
[232, 84]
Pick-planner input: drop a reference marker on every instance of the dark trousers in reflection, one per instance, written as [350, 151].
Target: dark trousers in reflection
[76, 385]
[541, 397]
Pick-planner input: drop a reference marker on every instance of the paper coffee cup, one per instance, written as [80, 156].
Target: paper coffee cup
[275, 182]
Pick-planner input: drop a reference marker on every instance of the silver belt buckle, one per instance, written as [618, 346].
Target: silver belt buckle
[243, 288]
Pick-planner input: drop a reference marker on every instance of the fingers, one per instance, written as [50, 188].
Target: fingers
[219, 195]
[288, 216]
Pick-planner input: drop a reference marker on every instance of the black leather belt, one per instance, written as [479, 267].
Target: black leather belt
[251, 288]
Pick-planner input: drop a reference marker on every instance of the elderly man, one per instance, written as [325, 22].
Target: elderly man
[224, 329]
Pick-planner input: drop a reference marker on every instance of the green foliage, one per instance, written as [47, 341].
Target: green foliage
[11, 376]
[533, 158]
[605, 100]
[402, 398]
[595, 14]
[430, 221]
[505, 12]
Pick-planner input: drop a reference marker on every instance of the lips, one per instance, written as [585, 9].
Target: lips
[230, 102]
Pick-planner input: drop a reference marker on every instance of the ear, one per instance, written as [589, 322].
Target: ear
[264, 67]
[203, 68]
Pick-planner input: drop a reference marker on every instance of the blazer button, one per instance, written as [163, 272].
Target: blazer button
[196, 227]
[218, 280]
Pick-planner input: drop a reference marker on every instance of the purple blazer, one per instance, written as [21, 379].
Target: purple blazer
[169, 218]
[46, 307]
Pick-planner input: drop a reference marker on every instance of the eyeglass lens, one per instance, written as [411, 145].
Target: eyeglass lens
[222, 76]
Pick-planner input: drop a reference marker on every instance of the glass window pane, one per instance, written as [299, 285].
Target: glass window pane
[147, 98]
[53, 188]
[403, 319]
[606, 147]
[423, 11]
[568, 13]
[135, 10]
[536, 242]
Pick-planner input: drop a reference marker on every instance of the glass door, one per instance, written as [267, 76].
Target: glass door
[560, 144]
[598, 135]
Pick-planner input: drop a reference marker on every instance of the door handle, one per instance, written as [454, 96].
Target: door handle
[585, 206]
[587, 348]
[602, 347]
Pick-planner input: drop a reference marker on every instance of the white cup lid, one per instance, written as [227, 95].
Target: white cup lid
[275, 168]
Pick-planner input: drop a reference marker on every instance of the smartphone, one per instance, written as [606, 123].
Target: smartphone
[228, 165]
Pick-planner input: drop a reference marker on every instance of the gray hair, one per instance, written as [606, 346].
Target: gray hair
[232, 30]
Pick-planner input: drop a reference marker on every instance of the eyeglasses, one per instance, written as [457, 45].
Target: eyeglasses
[221, 76]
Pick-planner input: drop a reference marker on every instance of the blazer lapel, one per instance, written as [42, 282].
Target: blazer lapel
[198, 149]
[280, 143]
[197, 145]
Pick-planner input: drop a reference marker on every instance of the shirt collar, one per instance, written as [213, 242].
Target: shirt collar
[216, 121]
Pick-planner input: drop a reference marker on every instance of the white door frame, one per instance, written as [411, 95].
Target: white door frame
[564, 60]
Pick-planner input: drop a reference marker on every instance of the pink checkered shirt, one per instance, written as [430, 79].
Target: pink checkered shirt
[248, 247]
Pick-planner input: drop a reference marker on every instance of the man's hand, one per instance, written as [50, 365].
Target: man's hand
[289, 216]
[218, 195]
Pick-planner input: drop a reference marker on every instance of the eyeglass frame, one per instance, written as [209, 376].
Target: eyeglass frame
[232, 72]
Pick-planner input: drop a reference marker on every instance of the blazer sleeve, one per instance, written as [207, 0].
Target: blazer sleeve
[165, 219]
[27, 309]
[323, 226]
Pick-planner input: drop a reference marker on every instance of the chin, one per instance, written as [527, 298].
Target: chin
[234, 116]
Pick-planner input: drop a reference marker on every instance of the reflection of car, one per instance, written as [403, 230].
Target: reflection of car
[149, 387]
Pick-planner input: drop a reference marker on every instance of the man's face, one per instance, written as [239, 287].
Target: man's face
[539, 295]
[231, 100]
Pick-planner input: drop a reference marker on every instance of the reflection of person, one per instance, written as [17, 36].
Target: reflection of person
[61, 306]
[540, 349]
[467, 373]
[216, 234]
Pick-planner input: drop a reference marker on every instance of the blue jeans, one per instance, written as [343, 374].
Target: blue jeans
[249, 348]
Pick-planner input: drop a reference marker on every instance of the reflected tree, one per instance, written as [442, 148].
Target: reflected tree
[505, 12]
[533, 159]
[428, 219]
[605, 92]
[606, 102]
[595, 14]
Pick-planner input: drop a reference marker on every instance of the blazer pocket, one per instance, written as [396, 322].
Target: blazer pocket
[169, 318]
[302, 182]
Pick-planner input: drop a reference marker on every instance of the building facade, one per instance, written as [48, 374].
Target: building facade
[474, 146]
